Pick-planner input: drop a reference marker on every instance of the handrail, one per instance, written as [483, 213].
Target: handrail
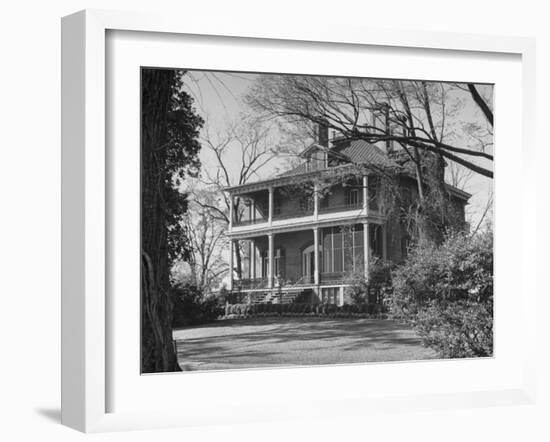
[251, 283]
[248, 222]
[332, 276]
[295, 214]
[341, 207]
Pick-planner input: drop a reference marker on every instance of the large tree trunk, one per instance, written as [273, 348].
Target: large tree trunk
[157, 348]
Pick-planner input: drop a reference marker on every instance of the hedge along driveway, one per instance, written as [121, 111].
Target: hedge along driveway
[271, 342]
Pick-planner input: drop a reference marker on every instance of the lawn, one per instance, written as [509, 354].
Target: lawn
[271, 342]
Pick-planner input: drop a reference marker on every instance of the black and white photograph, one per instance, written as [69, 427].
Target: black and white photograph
[292, 220]
[232, 221]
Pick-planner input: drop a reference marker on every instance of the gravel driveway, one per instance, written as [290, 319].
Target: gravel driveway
[268, 342]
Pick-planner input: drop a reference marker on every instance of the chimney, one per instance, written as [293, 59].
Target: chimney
[322, 134]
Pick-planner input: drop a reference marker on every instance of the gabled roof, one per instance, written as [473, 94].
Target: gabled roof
[356, 152]
[361, 152]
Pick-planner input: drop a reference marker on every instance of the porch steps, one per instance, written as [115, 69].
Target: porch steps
[286, 297]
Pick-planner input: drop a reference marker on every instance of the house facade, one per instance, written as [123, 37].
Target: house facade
[311, 230]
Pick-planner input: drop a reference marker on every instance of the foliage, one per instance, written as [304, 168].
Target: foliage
[362, 310]
[181, 161]
[169, 154]
[304, 297]
[416, 114]
[192, 308]
[207, 241]
[446, 293]
[239, 153]
[361, 290]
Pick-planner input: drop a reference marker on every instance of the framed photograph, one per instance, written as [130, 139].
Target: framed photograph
[281, 209]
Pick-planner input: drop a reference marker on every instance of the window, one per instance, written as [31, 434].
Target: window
[324, 202]
[343, 249]
[358, 249]
[277, 203]
[306, 204]
[348, 250]
[263, 208]
[327, 251]
[375, 236]
[374, 184]
[352, 197]
[338, 255]
[279, 263]
[265, 263]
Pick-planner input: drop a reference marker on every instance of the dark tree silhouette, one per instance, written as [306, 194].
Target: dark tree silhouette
[169, 149]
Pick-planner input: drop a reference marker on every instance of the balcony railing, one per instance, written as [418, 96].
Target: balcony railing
[341, 207]
[294, 214]
[248, 222]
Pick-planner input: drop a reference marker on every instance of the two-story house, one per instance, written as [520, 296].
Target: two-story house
[309, 229]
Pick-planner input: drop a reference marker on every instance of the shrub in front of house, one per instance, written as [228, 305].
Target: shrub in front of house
[192, 308]
[376, 290]
[446, 293]
[246, 310]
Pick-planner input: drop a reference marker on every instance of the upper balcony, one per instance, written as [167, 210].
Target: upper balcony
[302, 202]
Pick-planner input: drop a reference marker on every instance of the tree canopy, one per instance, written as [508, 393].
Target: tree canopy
[413, 114]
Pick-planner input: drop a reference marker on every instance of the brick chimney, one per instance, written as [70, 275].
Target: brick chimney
[322, 134]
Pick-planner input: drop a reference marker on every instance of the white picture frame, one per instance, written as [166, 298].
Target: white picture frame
[85, 234]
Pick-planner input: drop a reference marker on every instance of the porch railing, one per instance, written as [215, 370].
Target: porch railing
[331, 277]
[251, 283]
[294, 214]
[248, 222]
[341, 207]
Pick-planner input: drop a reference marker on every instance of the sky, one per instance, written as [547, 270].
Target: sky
[219, 100]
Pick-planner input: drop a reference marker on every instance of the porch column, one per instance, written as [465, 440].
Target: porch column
[230, 286]
[270, 262]
[316, 255]
[384, 242]
[315, 201]
[366, 248]
[252, 259]
[365, 195]
[230, 212]
[341, 296]
[270, 215]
